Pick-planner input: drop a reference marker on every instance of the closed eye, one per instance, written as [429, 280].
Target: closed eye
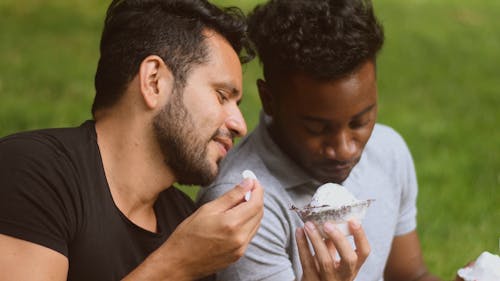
[356, 124]
[315, 128]
[364, 117]
[222, 96]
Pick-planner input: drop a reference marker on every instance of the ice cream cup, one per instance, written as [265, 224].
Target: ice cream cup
[337, 216]
[485, 268]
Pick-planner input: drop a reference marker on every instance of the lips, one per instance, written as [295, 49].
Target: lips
[341, 167]
[225, 143]
[335, 168]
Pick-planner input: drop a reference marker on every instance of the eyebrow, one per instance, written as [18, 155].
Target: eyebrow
[228, 86]
[362, 112]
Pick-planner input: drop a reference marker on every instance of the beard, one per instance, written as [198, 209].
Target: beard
[183, 149]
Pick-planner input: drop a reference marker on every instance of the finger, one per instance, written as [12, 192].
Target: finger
[348, 257]
[361, 241]
[251, 226]
[471, 263]
[248, 215]
[325, 261]
[231, 198]
[252, 206]
[306, 258]
[258, 216]
[331, 249]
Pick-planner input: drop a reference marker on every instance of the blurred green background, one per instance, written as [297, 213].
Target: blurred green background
[439, 75]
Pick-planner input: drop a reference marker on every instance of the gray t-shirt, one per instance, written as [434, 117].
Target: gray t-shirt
[385, 173]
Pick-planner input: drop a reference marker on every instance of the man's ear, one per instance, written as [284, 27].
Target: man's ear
[156, 81]
[266, 97]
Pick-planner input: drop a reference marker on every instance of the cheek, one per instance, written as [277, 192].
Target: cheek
[308, 149]
[206, 115]
[361, 137]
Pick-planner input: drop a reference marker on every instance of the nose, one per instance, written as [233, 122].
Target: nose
[341, 147]
[235, 122]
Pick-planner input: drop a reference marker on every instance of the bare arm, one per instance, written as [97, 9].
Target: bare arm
[209, 240]
[215, 236]
[22, 261]
[406, 262]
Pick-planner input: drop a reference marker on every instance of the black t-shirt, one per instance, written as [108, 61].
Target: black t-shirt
[53, 192]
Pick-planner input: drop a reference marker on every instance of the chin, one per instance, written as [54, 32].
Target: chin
[214, 170]
[203, 178]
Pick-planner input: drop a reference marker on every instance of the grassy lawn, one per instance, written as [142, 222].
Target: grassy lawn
[438, 86]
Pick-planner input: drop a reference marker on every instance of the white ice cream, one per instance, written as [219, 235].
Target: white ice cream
[327, 203]
[486, 268]
[331, 196]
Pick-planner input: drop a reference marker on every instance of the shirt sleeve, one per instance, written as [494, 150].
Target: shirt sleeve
[266, 257]
[407, 220]
[35, 204]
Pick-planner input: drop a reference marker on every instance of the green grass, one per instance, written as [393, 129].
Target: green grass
[438, 86]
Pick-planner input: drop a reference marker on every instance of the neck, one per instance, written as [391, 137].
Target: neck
[134, 167]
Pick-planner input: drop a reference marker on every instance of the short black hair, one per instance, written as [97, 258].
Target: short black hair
[171, 29]
[325, 39]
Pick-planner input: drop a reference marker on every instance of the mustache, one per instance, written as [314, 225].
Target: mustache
[223, 133]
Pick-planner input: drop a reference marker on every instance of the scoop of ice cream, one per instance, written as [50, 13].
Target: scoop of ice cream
[331, 196]
[486, 268]
[335, 204]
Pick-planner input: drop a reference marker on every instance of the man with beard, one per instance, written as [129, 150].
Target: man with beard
[96, 202]
[319, 98]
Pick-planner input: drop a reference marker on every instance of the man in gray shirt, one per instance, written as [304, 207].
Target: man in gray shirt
[318, 125]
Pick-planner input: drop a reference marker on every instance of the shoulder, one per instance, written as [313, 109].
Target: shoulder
[39, 188]
[52, 163]
[386, 137]
[50, 141]
[63, 149]
[387, 144]
[388, 150]
[30, 150]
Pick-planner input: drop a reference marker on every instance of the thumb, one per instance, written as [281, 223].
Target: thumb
[233, 197]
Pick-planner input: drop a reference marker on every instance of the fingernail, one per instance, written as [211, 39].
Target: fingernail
[246, 183]
[328, 227]
[310, 226]
[355, 224]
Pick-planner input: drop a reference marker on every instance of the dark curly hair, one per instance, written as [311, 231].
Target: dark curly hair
[326, 39]
[171, 29]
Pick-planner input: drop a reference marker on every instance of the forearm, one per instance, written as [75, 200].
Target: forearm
[213, 237]
[420, 275]
[406, 262]
[158, 267]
